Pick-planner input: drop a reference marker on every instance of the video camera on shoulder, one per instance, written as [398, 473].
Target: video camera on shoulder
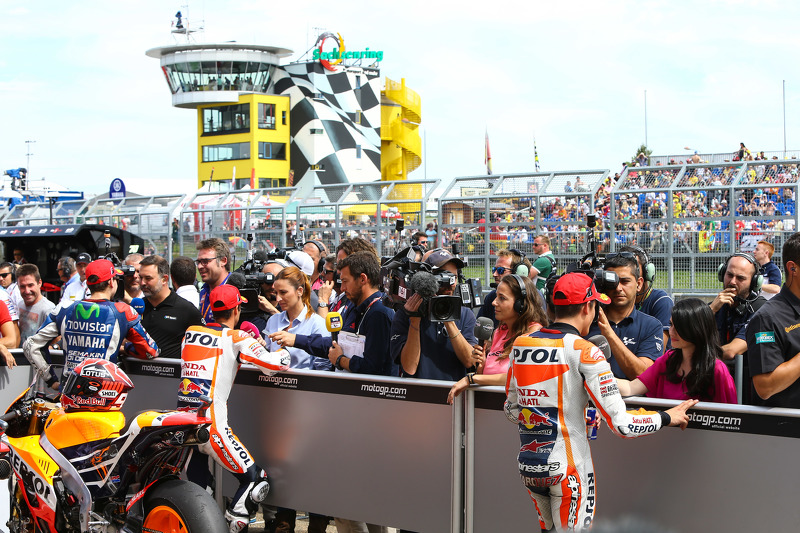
[402, 277]
[593, 265]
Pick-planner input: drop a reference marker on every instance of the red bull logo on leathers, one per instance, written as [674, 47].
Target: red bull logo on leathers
[529, 419]
[188, 387]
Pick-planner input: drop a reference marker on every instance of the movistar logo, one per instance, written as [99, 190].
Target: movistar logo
[87, 313]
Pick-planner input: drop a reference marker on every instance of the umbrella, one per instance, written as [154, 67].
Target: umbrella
[238, 241]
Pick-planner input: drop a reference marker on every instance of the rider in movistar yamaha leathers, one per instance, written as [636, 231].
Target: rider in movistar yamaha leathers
[94, 327]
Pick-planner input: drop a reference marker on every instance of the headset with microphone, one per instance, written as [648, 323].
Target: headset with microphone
[756, 281]
[519, 267]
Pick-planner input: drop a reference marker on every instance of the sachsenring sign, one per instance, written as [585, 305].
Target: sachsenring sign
[330, 51]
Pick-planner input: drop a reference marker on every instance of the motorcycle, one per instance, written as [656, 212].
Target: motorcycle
[78, 467]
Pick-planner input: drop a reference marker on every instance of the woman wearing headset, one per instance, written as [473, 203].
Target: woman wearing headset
[693, 368]
[518, 308]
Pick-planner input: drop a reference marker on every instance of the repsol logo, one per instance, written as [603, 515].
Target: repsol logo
[536, 355]
[203, 339]
[32, 480]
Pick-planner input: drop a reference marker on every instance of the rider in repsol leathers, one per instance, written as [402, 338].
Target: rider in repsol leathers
[553, 375]
[94, 327]
[210, 357]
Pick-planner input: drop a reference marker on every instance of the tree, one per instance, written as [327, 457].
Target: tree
[643, 149]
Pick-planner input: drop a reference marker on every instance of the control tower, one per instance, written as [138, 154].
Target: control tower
[306, 123]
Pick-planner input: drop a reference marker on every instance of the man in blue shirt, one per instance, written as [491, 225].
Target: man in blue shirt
[651, 301]
[363, 344]
[635, 339]
[213, 263]
[431, 350]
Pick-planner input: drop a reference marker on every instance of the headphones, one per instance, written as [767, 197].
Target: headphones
[67, 264]
[520, 303]
[323, 251]
[13, 270]
[519, 268]
[648, 268]
[757, 279]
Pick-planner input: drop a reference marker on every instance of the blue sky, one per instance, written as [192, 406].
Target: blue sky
[74, 78]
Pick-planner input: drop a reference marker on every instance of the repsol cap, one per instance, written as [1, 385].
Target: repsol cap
[440, 257]
[99, 271]
[225, 297]
[576, 288]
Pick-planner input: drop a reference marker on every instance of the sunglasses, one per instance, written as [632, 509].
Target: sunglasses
[4, 276]
[500, 270]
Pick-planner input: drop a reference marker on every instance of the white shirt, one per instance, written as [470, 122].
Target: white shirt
[189, 292]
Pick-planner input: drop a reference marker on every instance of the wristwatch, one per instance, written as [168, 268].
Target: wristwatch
[339, 362]
[322, 304]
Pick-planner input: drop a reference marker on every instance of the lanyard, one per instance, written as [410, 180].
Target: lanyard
[358, 330]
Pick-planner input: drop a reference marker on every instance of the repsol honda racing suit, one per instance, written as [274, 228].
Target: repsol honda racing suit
[210, 357]
[89, 328]
[552, 375]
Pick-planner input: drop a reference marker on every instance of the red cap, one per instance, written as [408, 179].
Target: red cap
[576, 288]
[102, 268]
[225, 297]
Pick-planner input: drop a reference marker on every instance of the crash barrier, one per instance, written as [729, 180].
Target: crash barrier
[390, 451]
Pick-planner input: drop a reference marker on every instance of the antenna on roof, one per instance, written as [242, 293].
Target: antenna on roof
[181, 25]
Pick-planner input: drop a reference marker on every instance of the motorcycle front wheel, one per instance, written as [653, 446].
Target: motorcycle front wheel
[178, 506]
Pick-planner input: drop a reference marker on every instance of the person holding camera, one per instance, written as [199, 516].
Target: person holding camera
[651, 301]
[518, 308]
[636, 339]
[431, 350]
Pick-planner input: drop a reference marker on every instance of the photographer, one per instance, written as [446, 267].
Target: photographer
[428, 350]
[636, 339]
[651, 301]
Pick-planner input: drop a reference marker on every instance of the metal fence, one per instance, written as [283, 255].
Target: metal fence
[688, 217]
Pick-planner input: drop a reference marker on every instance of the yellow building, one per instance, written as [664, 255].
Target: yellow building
[401, 146]
[249, 140]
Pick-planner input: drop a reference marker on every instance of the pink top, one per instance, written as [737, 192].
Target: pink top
[655, 379]
[495, 362]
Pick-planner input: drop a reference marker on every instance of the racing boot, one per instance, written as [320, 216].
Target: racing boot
[237, 523]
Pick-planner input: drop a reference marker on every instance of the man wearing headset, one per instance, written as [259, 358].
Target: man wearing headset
[508, 262]
[738, 301]
[649, 300]
[773, 338]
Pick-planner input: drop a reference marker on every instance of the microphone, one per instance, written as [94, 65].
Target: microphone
[138, 305]
[424, 284]
[333, 323]
[601, 342]
[250, 329]
[237, 279]
[483, 329]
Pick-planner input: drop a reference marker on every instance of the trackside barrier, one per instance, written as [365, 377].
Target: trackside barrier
[390, 451]
[696, 480]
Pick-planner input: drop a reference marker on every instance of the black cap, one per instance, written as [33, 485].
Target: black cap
[83, 258]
